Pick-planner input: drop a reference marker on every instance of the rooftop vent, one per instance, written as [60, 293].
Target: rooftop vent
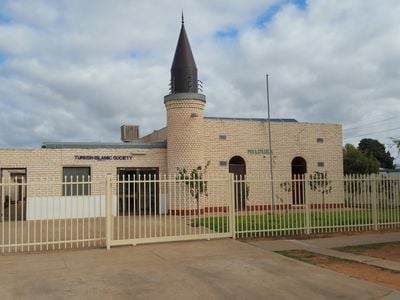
[129, 133]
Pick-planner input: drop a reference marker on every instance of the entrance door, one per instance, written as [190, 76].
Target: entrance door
[299, 168]
[237, 166]
[14, 194]
[138, 191]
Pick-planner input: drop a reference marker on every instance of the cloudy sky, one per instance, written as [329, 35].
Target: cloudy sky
[73, 70]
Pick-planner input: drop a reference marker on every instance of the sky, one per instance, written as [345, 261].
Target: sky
[73, 70]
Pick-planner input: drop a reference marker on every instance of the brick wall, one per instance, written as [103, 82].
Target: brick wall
[47, 164]
[185, 134]
[192, 141]
[156, 136]
[289, 140]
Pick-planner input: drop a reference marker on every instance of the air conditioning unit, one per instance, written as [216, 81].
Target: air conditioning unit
[129, 133]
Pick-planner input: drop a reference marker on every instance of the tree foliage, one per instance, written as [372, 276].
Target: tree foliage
[356, 161]
[319, 183]
[377, 150]
[194, 180]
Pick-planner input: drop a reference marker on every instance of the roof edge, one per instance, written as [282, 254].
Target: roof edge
[283, 120]
[96, 145]
[185, 96]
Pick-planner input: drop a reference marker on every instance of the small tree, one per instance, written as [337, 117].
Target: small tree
[357, 162]
[287, 187]
[194, 179]
[319, 183]
[377, 150]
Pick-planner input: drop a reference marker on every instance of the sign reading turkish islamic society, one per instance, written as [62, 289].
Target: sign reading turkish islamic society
[103, 157]
[258, 151]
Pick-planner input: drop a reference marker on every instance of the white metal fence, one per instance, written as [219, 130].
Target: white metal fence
[63, 214]
[40, 215]
[310, 204]
[168, 208]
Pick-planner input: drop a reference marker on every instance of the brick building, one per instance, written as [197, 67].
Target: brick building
[189, 140]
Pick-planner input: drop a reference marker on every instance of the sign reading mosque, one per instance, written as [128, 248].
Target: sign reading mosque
[103, 157]
[258, 151]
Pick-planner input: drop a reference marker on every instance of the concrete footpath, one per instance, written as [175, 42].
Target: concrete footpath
[217, 269]
[324, 245]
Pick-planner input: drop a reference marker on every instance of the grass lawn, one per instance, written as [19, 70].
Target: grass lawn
[287, 223]
[381, 276]
[308, 257]
[362, 248]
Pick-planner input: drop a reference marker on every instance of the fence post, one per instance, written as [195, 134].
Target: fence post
[2, 213]
[232, 215]
[374, 201]
[109, 219]
[307, 203]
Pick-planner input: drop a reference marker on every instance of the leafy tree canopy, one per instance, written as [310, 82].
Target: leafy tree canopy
[377, 150]
[356, 161]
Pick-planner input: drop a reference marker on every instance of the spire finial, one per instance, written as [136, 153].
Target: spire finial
[183, 69]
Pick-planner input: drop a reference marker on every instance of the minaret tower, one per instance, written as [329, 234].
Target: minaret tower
[185, 110]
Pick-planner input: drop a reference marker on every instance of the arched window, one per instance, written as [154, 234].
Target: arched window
[237, 166]
[299, 168]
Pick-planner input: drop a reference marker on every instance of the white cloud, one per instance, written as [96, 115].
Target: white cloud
[77, 70]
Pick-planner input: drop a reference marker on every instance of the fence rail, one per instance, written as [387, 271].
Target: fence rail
[76, 213]
[35, 216]
[312, 204]
[167, 208]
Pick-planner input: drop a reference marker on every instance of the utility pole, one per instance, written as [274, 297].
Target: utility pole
[270, 145]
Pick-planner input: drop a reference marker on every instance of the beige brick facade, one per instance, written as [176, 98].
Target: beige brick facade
[156, 136]
[316, 143]
[193, 141]
[185, 134]
[289, 140]
[47, 164]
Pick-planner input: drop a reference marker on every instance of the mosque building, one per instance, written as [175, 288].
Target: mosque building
[189, 140]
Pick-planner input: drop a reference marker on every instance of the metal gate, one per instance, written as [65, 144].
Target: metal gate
[78, 212]
[149, 208]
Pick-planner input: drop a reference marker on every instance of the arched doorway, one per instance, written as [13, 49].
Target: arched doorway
[299, 168]
[237, 166]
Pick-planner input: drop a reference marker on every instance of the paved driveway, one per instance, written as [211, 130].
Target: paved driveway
[218, 269]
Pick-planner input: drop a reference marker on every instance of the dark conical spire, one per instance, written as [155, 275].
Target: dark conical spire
[183, 70]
